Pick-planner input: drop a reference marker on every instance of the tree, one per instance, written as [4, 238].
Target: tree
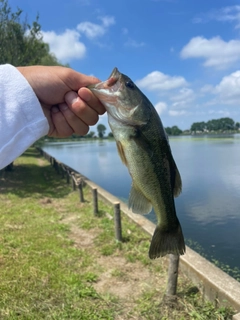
[110, 135]
[101, 130]
[226, 124]
[176, 131]
[222, 124]
[168, 130]
[198, 126]
[90, 134]
[173, 131]
[213, 125]
[22, 44]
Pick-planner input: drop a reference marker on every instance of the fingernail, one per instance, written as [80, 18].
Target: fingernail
[71, 97]
[55, 109]
[86, 95]
[63, 106]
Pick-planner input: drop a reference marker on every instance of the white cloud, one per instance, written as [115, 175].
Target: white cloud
[93, 30]
[161, 107]
[216, 52]
[207, 88]
[177, 113]
[157, 80]
[107, 20]
[230, 13]
[223, 113]
[229, 88]
[225, 14]
[227, 92]
[183, 98]
[65, 46]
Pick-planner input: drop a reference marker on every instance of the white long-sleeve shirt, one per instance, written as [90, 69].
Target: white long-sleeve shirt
[22, 120]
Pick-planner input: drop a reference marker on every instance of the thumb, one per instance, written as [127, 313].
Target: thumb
[76, 80]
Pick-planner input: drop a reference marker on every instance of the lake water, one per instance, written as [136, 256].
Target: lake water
[209, 205]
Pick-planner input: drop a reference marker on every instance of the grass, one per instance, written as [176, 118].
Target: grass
[58, 261]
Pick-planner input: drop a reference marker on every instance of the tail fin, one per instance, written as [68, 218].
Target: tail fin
[165, 241]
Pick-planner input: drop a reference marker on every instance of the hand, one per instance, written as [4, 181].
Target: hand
[68, 106]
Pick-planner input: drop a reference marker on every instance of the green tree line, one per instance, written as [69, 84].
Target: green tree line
[215, 125]
[173, 131]
[211, 126]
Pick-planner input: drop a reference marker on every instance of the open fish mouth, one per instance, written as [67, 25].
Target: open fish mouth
[111, 85]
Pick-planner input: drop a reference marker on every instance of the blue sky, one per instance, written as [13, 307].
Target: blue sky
[183, 54]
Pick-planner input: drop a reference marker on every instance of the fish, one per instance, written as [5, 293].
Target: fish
[143, 147]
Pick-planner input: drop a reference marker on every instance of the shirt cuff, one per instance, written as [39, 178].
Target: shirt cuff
[22, 120]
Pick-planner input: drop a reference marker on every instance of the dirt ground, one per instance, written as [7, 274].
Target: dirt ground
[133, 278]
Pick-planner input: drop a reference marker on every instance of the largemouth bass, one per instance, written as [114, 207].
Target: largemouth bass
[144, 148]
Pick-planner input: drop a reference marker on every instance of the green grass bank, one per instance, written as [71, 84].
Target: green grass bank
[58, 261]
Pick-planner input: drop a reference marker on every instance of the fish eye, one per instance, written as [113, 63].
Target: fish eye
[129, 84]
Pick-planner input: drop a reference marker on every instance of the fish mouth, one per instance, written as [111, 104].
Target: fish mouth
[111, 85]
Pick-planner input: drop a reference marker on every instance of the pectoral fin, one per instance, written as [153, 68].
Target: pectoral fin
[121, 153]
[138, 202]
[142, 142]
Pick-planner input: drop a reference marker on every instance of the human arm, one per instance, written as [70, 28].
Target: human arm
[24, 91]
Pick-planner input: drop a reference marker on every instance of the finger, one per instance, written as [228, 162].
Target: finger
[81, 109]
[91, 100]
[77, 125]
[61, 128]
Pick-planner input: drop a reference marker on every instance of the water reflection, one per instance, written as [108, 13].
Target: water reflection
[208, 207]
